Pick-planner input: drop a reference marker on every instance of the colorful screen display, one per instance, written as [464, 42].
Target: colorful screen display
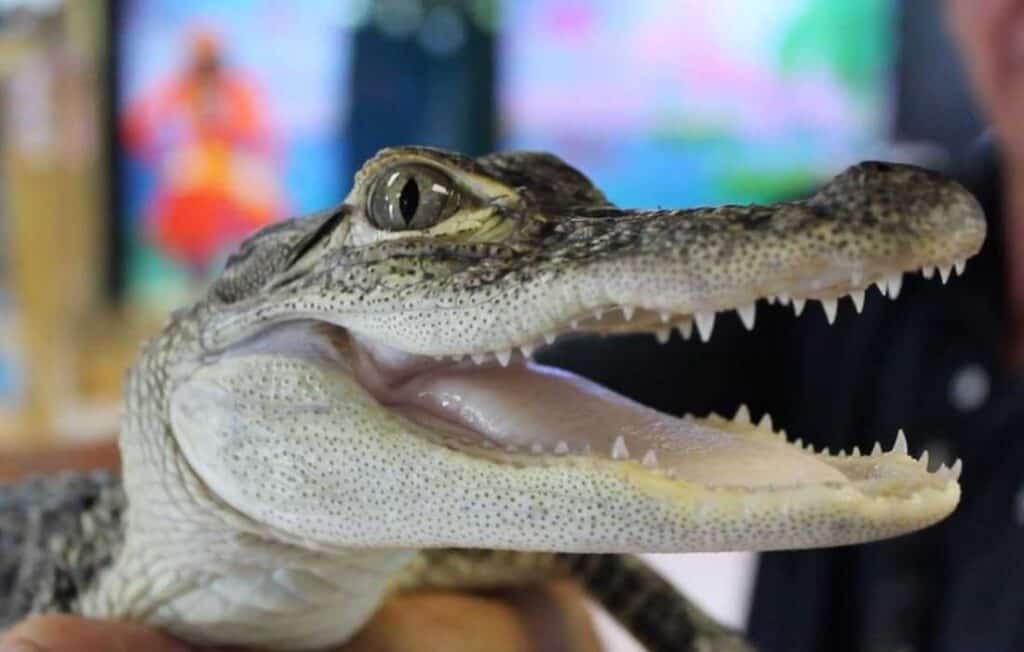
[229, 116]
[681, 102]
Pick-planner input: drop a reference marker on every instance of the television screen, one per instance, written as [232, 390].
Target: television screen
[682, 102]
[229, 116]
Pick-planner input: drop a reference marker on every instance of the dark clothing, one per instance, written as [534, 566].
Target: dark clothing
[929, 362]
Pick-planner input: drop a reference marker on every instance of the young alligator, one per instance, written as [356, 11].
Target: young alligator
[351, 409]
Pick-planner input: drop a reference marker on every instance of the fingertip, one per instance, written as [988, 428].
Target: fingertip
[59, 633]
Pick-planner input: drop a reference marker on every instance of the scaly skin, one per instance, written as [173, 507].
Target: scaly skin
[352, 397]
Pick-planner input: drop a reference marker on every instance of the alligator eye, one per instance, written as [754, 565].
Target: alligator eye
[411, 197]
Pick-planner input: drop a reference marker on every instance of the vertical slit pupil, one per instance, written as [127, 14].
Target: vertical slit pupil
[409, 200]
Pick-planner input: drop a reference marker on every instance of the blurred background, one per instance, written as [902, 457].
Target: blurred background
[141, 139]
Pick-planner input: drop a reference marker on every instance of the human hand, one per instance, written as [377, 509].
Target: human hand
[550, 617]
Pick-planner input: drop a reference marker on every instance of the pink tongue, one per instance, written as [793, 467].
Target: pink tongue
[530, 405]
[527, 404]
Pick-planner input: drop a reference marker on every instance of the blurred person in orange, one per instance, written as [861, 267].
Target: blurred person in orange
[207, 133]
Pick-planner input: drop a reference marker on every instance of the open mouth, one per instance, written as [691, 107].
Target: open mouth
[504, 407]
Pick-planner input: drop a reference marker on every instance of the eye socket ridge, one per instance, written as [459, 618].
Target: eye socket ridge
[411, 196]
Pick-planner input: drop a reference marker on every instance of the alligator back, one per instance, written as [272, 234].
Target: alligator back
[56, 534]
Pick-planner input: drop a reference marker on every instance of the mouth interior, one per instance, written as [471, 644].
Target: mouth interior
[529, 409]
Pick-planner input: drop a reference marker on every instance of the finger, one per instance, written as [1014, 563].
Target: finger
[59, 633]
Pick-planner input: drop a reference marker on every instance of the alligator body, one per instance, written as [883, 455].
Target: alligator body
[351, 410]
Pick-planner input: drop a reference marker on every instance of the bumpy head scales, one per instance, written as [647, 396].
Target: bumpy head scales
[366, 379]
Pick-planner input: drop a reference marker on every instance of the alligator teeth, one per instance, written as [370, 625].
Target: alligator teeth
[856, 451]
[561, 448]
[784, 299]
[479, 358]
[685, 329]
[944, 272]
[959, 266]
[747, 314]
[895, 282]
[900, 445]
[503, 357]
[927, 271]
[705, 324]
[628, 312]
[858, 300]
[924, 460]
[619, 450]
[650, 459]
[526, 350]
[549, 337]
[598, 314]
[663, 335]
[876, 449]
[665, 316]
[957, 467]
[798, 305]
[742, 414]
[883, 287]
[766, 423]
[830, 307]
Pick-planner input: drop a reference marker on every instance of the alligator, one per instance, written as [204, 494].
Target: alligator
[352, 409]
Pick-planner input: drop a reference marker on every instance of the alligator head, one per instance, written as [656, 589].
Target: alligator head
[366, 374]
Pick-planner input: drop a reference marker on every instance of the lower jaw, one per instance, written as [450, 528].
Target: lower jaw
[527, 414]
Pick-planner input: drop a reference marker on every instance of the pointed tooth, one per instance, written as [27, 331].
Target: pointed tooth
[527, 350]
[549, 338]
[665, 316]
[784, 299]
[927, 271]
[663, 335]
[858, 299]
[561, 448]
[598, 314]
[944, 272]
[619, 450]
[895, 282]
[841, 453]
[628, 312]
[747, 314]
[855, 452]
[705, 324]
[650, 458]
[772, 300]
[900, 445]
[959, 266]
[685, 328]
[799, 442]
[883, 287]
[766, 422]
[957, 467]
[876, 449]
[923, 460]
[503, 357]
[798, 305]
[537, 447]
[830, 306]
[742, 414]
[479, 358]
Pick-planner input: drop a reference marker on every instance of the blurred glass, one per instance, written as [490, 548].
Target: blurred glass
[680, 102]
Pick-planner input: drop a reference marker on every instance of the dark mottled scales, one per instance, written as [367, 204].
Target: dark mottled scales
[56, 534]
